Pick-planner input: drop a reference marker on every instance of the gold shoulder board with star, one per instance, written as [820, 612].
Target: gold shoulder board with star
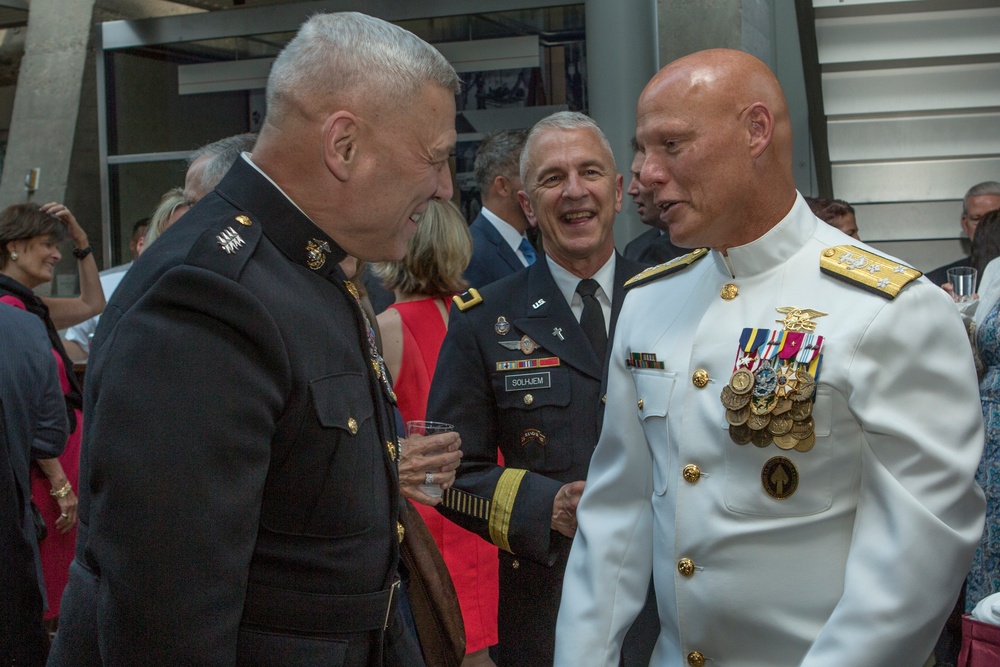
[872, 273]
[666, 269]
[468, 299]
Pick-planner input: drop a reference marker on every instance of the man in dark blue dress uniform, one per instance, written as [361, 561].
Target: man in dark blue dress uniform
[239, 497]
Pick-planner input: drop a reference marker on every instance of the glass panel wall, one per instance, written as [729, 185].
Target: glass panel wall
[152, 123]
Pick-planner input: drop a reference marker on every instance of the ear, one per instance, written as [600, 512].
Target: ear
[341, 132]
[522, 198]
[502, 186]
[619, 184]
[760, 123]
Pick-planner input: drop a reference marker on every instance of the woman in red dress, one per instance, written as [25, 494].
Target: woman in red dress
[29, 249]
[412, 331]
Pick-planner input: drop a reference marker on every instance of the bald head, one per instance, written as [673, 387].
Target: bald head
[715, 130]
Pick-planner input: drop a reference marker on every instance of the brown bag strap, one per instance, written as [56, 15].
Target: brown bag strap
[436, 611]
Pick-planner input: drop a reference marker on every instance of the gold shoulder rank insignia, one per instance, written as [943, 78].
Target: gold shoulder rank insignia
[468, 299]
[665, 269]
[872, 273]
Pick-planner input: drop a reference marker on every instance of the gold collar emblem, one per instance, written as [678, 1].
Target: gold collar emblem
[316, 253]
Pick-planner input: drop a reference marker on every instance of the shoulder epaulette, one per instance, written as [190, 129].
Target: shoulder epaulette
[666, 269]
[872, 273]
[468, 299]
[226, 248]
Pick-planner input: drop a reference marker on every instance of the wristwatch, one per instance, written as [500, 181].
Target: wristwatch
[80, 253]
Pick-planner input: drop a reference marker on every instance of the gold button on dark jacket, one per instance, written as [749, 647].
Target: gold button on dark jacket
[692, 473]
[685, 566]
[700, 378]
[695, 659]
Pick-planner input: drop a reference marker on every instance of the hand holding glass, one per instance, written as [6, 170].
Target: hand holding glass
[963, 281]
[423, 428]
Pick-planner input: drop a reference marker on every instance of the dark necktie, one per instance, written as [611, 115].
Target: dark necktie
[527, 250]
[592, 319]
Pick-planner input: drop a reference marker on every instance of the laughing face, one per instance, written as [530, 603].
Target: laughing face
[36, 260]
[405, 166]
[572, 193]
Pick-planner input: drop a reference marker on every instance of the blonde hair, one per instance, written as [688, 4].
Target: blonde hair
[171, 200]
[436, 256]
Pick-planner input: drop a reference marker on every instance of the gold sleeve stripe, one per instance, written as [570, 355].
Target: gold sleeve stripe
[866, 270]
[466, 503]
[503, 506]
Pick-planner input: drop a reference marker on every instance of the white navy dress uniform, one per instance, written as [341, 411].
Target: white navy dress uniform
[860, 564]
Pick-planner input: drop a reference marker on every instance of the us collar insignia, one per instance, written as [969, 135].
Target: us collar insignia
[316, 251]
[799, 319]
[229, 240]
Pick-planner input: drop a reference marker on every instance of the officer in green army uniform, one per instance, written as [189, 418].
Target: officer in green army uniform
[519, 375]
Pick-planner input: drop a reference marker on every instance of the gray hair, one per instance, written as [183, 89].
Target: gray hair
[349, 53]
[978, 190]
[498, 155]
[223, 154]
[562, 120]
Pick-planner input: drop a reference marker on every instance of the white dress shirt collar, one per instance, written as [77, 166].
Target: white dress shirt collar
[566, 282]
[507, 231]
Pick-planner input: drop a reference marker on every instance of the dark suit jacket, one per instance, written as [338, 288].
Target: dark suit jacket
[652, 247]
[543, 419]
[32, 423]
[238, 500]
[492, 257]
[939, 276]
